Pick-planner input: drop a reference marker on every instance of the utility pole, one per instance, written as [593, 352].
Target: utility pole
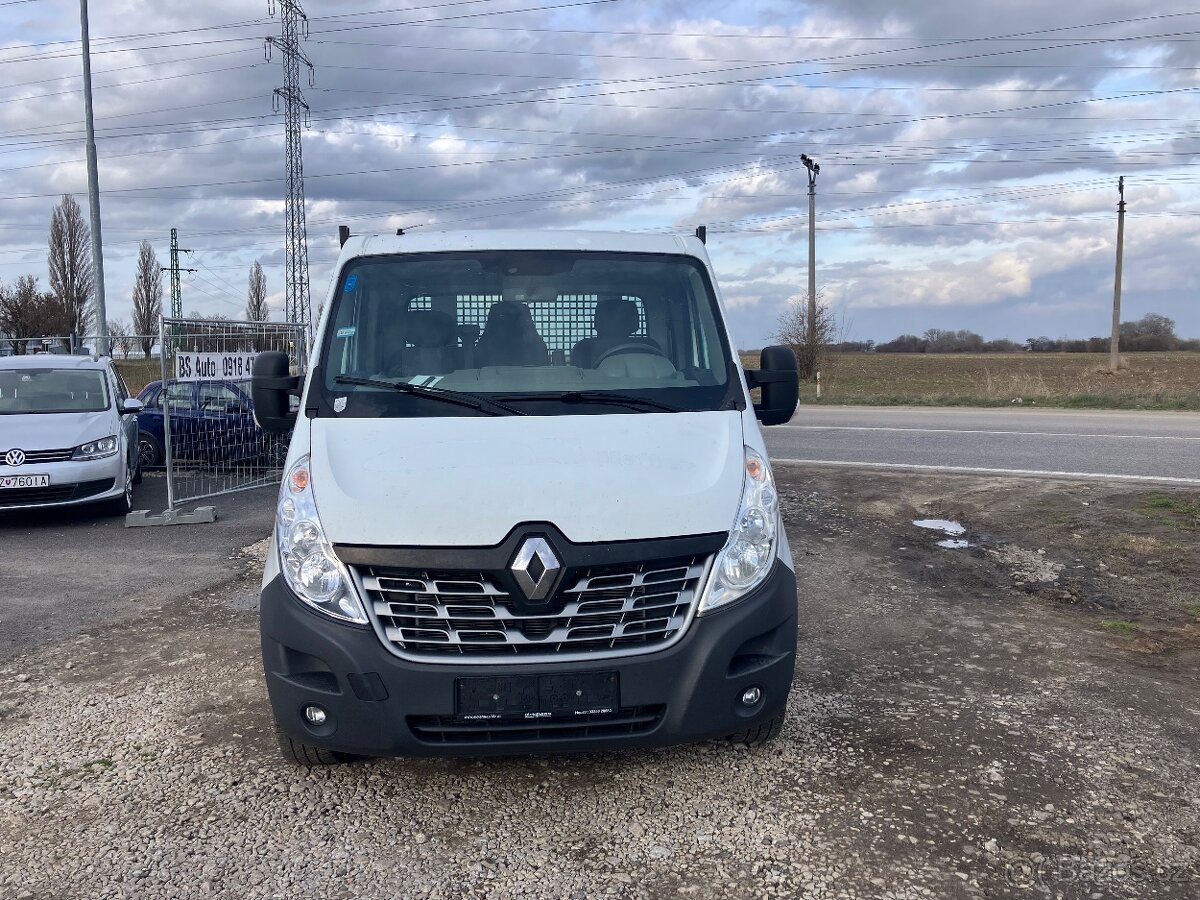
[813, 171]
[295, 116]
[1114, 346]
[93, 184]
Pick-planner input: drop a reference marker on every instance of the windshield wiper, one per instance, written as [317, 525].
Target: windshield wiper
[459, 398]
[632, 401]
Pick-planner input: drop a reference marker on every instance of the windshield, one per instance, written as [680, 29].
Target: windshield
[52, 391]
[544, 332]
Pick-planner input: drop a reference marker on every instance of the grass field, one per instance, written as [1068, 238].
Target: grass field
[139, 372]
[1151, 381]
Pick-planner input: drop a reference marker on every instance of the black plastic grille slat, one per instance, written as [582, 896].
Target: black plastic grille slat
[467, 614]
[451, 730]
[55, 493]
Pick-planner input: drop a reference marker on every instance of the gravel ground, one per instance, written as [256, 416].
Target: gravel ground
[949, 735]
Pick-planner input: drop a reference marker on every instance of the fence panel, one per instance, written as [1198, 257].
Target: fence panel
[210, 443]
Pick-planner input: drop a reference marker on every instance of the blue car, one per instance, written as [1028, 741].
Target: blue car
[211, 422]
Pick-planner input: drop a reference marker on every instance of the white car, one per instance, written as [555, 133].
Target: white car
[68, 434]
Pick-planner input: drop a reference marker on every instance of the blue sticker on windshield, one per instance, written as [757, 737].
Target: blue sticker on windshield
[348, 331]
[351, 282]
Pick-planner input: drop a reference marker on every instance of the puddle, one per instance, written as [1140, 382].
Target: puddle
[948, 527]
[944, 525]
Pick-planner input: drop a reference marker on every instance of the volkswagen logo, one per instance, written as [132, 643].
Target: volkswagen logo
[15, 458]
[535, 567]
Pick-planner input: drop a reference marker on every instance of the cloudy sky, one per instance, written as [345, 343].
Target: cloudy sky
[969, 151]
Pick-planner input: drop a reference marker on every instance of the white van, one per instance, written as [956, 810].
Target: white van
[527, 506]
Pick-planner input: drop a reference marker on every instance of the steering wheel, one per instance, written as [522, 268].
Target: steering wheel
[628, 347]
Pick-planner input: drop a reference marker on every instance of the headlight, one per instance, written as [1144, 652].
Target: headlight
[310, 567]
[96, 449]
[748, 555]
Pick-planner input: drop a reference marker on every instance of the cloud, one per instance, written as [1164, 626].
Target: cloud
[963, 178]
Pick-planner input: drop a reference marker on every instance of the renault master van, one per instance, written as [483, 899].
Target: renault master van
[527, 506]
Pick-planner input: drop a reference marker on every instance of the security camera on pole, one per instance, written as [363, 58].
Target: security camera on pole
[813, 171]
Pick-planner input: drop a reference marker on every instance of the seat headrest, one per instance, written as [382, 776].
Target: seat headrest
[615, 317]
[508, 312]
[428, 328]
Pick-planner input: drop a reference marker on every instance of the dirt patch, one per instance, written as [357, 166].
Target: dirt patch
[950, 733]
[1106, 553]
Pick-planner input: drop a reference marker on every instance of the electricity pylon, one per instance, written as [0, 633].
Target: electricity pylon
[295, 117]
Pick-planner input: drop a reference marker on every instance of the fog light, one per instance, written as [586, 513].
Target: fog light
[315, 715]
[750, 696]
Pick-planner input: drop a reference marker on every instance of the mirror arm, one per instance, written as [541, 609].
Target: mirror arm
[759, 377]
[289, 383]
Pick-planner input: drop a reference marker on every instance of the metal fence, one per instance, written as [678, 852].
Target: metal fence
[199, 421]
[122, 346]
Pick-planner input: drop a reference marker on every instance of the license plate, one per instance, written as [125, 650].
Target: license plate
[537, 696]
[14, 482]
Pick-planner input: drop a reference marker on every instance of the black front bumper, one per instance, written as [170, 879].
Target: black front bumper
[380, 705]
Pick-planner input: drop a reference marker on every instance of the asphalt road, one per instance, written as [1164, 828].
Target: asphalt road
[1102, 444]
[67, 570]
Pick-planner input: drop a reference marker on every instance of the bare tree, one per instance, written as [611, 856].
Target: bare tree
[147, 297]
[26, 312]
[256, 296]
[19, 315]
[72, 278]
[794, 331]
[120, 336]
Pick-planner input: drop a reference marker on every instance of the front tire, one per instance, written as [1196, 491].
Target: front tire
[122, 505]
[758, 735]
[307, 755]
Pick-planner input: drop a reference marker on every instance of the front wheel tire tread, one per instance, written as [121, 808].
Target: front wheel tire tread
[307, 755]
[757, 735]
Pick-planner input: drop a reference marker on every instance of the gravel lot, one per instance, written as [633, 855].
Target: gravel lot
[957, 729]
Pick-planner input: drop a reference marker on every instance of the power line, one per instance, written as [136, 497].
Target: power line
[222, 40]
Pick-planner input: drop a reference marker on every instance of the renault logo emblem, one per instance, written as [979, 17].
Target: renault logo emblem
[15, 458]
[535, 567]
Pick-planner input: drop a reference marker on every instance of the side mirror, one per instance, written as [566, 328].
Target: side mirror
[271, 389]
[779, 377]
[131, 407]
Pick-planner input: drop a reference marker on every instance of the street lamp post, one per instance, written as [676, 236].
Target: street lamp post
[813, 171]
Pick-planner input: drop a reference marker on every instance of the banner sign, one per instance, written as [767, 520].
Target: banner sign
[214, 366]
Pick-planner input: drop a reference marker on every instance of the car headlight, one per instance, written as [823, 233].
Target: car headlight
[748, 555]
[96, 449]
[310, 567]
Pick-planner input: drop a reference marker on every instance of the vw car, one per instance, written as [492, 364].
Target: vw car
[68, 433]
[527, 505]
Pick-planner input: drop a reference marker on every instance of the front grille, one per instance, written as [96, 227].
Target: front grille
[634, 606]
[55, 493]
[451, 730]
[44, 456]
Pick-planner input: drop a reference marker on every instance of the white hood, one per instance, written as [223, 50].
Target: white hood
[54, 431]
[457, 481]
